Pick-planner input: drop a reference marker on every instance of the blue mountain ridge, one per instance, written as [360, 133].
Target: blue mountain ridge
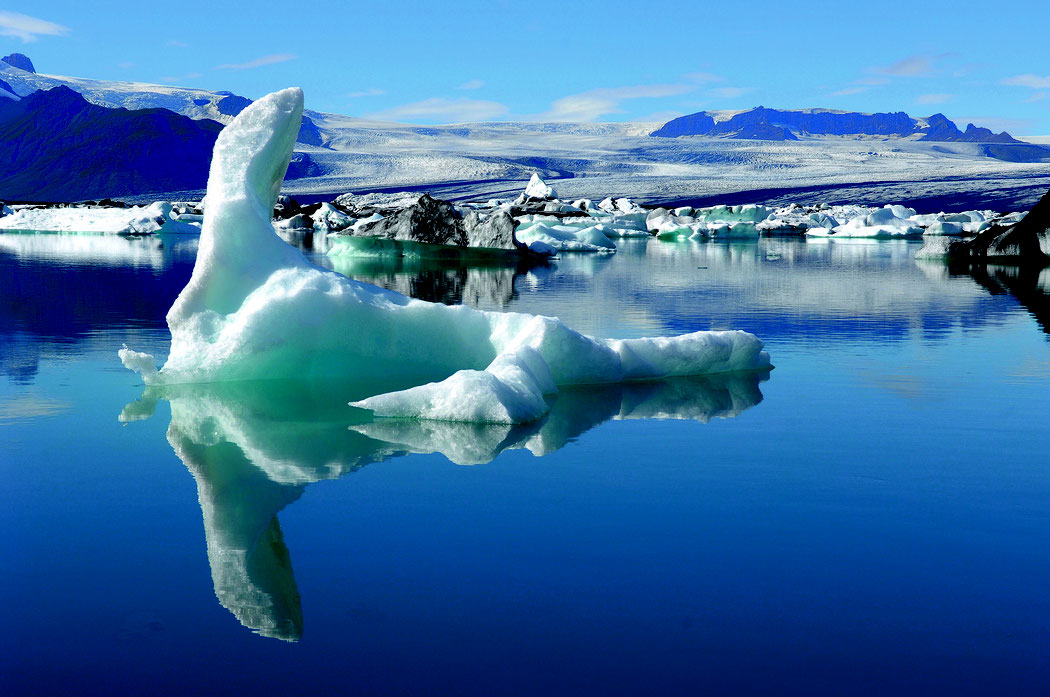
[55, 146]
[761, 123]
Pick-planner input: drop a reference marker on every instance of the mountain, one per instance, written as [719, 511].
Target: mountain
[20, 61]
[761, 123]
[55, 146]
[467, 161]
[16, 72]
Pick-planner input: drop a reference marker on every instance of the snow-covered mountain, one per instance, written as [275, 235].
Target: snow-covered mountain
[339, 153]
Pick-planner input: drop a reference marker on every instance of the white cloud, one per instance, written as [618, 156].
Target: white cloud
[443, 109]
[258, 62]
[1036, 82]
[934, 98]
[850, 90]
[593, 104]
[471, 85]
[28, 28]
[731, 92]
[371, 92]
[126, 65]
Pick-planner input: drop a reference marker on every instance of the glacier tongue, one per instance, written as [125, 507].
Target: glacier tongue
[254, 308]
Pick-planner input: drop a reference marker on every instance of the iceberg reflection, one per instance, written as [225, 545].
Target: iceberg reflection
[253, 447]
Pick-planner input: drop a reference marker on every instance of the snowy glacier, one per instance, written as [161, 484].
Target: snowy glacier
[254, 308]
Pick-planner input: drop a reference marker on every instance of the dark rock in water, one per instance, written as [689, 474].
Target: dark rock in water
[110, 203]
[232, 105]
[432, 221]
[495, 232]
[55, 146]
[286, 207]
[1025, 243]
[1026, 283]
[429, 220]
[20, 61]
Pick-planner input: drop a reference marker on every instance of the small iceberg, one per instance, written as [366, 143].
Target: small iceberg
[158, 217]
[256, 309]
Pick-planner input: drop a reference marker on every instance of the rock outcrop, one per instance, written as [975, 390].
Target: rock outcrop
[1025, 243]
[432, 221]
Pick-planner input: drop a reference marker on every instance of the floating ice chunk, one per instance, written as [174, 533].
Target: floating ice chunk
[155, 218]
[749, 213]
[509, 391]
[254, 308]
[567, 238]
[733, 231]
[328, 217]
[137, 361]
[538, 189]
[941, 227]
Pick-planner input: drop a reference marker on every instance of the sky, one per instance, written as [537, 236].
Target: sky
[446, 62]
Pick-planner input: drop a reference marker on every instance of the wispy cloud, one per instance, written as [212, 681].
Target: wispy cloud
[471, 85]
[126, 65]
[371, 92]
[445, 110]
[28, 28]
[731, 92]
[703, 78]
[1036, 82]
[593, 104]
[258, 62]
[856, 89]
[176, 44]
[912, 66]
[934, 98]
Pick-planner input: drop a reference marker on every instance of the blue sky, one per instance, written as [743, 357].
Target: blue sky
[429, 62]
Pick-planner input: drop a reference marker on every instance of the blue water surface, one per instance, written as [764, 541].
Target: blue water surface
[870, 518]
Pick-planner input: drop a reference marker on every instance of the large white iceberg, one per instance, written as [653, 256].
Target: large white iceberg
[255, 308]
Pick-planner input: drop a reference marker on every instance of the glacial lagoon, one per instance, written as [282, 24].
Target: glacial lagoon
[871, 513]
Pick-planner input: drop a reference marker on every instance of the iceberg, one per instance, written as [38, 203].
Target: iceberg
[157, 217]
[256, 309]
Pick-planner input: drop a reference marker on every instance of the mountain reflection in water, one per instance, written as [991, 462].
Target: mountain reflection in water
[253, 447]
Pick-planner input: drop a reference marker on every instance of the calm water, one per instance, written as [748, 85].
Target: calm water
[872, 517]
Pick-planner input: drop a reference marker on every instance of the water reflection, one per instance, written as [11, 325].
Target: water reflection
[434, 280]
[253, 448]
[59, 291]
[1030, 286]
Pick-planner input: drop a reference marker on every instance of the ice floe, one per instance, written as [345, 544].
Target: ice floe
[158, 217]
[255, 308]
